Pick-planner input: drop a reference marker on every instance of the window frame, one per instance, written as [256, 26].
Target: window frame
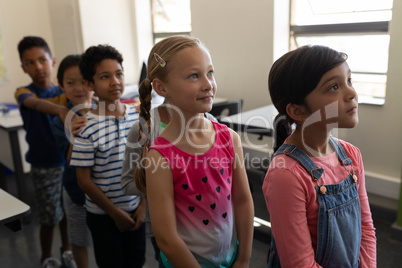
[372, 27]
[163, 35]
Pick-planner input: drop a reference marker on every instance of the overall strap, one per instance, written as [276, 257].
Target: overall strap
[301, 157]
[340, 152]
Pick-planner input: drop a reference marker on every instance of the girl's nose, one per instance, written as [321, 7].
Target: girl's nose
[208, 83]
[351, 93]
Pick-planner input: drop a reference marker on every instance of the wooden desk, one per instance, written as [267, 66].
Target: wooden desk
[12, 210]
[13, 148]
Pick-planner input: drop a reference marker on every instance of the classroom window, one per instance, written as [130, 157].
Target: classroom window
[170, 17]
[357, 27]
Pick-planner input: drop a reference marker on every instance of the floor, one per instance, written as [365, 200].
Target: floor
[21, 249]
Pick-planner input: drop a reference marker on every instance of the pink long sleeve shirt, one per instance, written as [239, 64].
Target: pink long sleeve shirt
[292, 203]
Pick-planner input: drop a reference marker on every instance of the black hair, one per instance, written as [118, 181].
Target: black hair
[93, 56]
[67, 62]
[293, 76]
[32, 41]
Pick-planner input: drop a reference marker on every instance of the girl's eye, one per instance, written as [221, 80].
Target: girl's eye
[120, 75]
[193, 76]
[211, 73]
[43, 60]
[103, 77]
[350, 81]
[333, 88]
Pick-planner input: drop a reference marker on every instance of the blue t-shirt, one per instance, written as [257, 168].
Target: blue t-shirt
[43, 151]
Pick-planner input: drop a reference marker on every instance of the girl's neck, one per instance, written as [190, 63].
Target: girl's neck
[314, 143]
[185, 122]
[194, 135]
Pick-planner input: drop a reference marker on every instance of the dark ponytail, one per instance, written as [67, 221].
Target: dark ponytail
[282, 130]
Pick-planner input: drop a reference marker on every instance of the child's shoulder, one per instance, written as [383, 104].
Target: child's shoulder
[350, 149]
[31, 89]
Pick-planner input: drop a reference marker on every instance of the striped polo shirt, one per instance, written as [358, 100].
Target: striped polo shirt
[101, 145]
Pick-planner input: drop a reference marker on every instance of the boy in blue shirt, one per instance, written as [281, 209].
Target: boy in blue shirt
[38, 103]
[114, 219]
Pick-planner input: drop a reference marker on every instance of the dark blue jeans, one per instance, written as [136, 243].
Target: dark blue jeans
[113, 248]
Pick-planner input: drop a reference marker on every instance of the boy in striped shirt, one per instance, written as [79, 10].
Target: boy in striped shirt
[114, 219]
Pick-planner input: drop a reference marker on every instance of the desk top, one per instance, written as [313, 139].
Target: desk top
[11, 208]
[256, 119]
[11, 120]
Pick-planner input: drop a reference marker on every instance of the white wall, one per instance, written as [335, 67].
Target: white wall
[238, 35]
[66, 27]
[19, 18]
[109, 22]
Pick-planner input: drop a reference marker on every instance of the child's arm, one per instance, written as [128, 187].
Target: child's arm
[132, 157]
[160, 195]
[46, 107]
[76, 125]
[139, 214]
[123, 220]
[242, 205]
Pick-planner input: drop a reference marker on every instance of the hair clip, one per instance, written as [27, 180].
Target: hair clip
[159, 59]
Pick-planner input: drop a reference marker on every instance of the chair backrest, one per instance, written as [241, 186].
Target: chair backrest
[226, 108]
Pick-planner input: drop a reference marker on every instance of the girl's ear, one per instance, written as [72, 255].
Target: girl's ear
[298, 112]
[159, 87]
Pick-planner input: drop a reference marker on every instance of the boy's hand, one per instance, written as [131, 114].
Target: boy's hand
[139, 215]
[123, 221]
[77, 123]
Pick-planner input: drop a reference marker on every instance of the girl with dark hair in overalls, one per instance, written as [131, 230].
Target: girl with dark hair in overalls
[315, 186]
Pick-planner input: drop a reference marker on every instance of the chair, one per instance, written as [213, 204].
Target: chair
[223, 109]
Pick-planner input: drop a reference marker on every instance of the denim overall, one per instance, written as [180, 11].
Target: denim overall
[339, 218]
